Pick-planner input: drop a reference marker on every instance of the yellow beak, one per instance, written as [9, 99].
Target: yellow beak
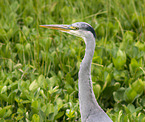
[57, 27]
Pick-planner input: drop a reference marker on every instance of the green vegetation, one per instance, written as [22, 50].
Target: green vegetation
[39, 67]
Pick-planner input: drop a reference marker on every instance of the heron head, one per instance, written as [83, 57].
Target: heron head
[80, 29]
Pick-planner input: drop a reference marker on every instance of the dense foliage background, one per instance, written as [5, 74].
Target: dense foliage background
[39, 67]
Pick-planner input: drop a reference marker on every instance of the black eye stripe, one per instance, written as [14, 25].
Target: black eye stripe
[89, 28]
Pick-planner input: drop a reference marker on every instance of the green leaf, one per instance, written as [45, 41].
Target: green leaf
[53, 90]
[25, 101]
[8, 113]
[143, 120]
[143, 101]
[140, 45]
[19, 117]
[60, 104]
[35, 118]
[2, 112]
[107, 80]
[119, 115]
[97, 90]
[70, 113]
[138, 86]
[4, 97]
[41, 80]
[19, 47]
[42, 93]
[119, 94]
[20, 111]
[33, 86]
[2, 34]
[27, 48]
[131, 108]
[120, 60]
[28, 20]
[26, 30]
[49, 108]
[127, 40]
[12, 95]
[34, 106]
[14, 6]
[134, 66]
[2, 120]
[130, 95]
[52, 81]
[60, 114]
[4, 89]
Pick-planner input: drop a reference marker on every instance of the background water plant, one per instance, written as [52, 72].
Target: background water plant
[39, 67]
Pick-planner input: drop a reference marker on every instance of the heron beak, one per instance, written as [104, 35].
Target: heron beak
[57, 27]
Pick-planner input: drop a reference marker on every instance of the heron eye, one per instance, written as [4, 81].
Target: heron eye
[74, 28]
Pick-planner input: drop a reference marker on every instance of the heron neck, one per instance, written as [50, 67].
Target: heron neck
[86, 95]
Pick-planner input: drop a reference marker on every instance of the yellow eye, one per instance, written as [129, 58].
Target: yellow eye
[73, 28]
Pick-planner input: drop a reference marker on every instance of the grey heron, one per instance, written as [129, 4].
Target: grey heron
[89, 108]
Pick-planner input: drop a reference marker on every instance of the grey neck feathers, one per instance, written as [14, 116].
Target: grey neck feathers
[86, 95]
[89, 108]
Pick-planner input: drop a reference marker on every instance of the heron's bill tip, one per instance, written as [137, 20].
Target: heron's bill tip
[44, 26]
[56, 27]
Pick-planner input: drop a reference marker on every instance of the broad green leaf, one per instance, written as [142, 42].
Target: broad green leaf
[43, 94]
[26, 30]
[143, 101]
[19, 47]
[41, 80]
[14, 6]
[60, 114]
[4, 89]
[20, 111]
[120, 60]
[35, 118]
[130, 95]
[134, 66]
[52, 81]
[60, 104]
[33, 86]
[19, 118]
[131, 108]
[27, 48]
[28, 20]
[140, 45]
[119, 94]
[35, 106]
[2, 112]
[12, 95]
[8, 113]
[143, 120]
[97, 90]
[138, 86]
[49, 108]
[127, 40]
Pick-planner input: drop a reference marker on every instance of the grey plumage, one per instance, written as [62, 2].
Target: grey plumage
[89, 108]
